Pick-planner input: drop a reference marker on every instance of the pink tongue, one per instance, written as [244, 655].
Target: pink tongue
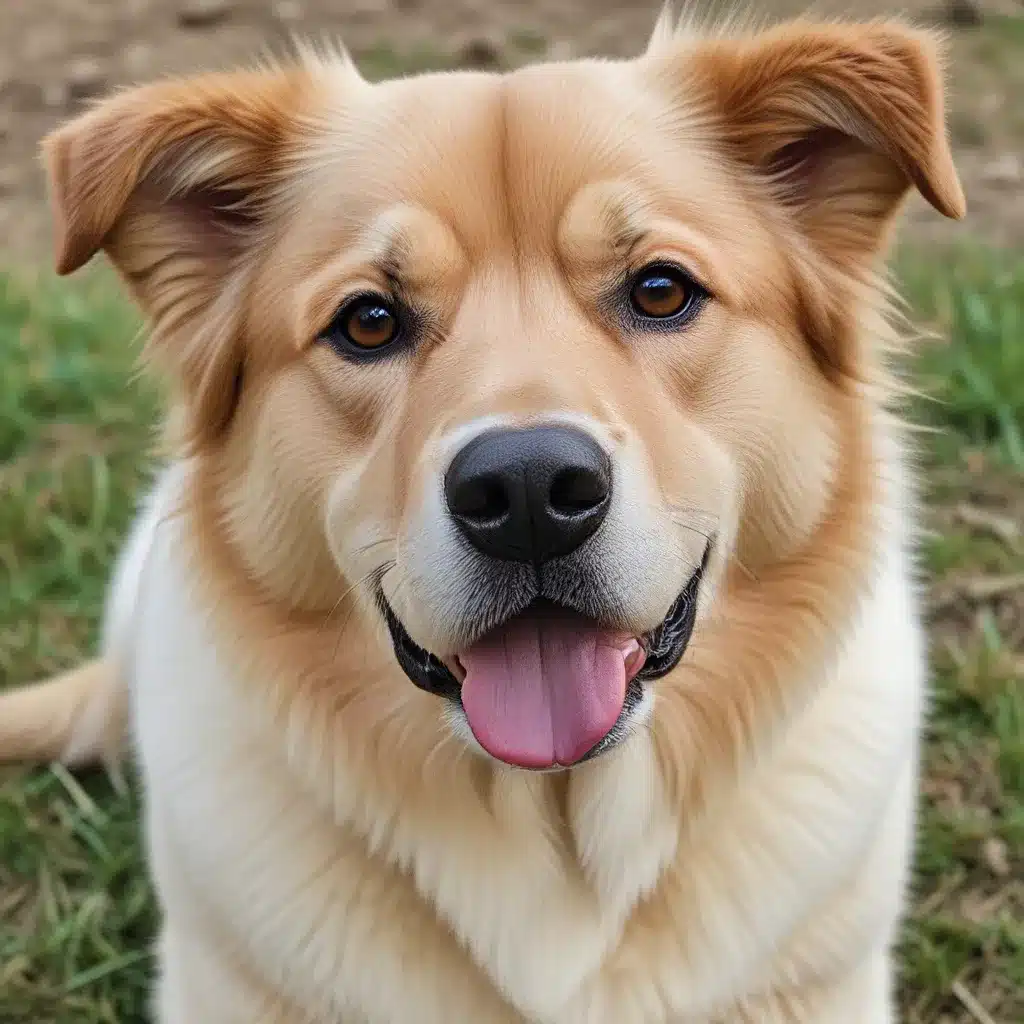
[543, 690]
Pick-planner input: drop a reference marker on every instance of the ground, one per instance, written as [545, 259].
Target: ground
[75, 908]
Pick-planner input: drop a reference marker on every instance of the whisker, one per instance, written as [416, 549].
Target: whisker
[693, 510]
[747, 571]
[398, 587]
[329, 615]
[381, 571]
[337, 604]
[693, 529]
[374, 544]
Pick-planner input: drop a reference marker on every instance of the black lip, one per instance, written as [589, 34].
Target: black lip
[426, 670]
[665, 646]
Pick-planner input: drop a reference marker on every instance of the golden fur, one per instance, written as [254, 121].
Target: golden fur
[316, 826]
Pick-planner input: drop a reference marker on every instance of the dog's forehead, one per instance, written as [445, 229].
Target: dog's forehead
[493, 156]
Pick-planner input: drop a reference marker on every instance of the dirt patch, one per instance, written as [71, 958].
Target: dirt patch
[56, 55]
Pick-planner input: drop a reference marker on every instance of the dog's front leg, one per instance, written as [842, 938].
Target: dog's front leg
[202, 983]
[861, 996]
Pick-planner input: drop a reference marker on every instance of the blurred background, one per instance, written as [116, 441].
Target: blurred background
[76, 915]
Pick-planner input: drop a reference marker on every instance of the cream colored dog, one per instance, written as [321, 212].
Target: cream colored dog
[527, 421]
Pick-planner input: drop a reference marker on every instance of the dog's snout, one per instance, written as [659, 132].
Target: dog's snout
[529, 495]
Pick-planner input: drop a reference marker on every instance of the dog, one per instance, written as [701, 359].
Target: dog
[524, 628]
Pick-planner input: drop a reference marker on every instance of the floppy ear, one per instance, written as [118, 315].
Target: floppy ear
[176, 181]
[838, 122]
[838, 114]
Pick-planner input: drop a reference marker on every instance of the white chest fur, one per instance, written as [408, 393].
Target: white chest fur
[357, 908]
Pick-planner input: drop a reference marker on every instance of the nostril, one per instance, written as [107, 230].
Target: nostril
[529, 495]
[483, 499]
[576, 490]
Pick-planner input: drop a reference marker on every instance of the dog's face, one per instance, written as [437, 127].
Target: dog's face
[525, 362]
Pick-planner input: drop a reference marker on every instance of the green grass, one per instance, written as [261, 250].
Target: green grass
[75, 908]
[976, 305]
[967, 931]
[76, 914]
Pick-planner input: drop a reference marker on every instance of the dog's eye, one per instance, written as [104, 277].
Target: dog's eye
[369, 323]
[661, 292]
[365, 324]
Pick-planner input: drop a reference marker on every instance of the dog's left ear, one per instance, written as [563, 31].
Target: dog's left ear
[843, 119]
[837, 122]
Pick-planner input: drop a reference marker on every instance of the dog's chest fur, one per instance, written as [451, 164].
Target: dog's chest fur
[602, 904]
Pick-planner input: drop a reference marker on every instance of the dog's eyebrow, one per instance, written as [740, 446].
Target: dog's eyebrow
[624, 229]
[610, 217]
[397, 239]
[387, 247]
[393, 258]
[611, 223]
[601, 224]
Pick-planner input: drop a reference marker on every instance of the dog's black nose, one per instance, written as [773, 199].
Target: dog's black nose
[529, 495]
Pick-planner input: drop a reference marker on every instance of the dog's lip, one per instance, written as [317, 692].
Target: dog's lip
[665, 645]
[657, 651]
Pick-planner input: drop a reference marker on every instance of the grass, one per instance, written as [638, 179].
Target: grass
[76, 914]
[964, 941]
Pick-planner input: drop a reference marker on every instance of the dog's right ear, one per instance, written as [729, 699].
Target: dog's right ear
[204, 150]
[176, 181]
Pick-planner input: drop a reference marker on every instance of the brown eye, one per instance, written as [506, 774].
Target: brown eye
[365, 326]
[370, 324]
[661, 292]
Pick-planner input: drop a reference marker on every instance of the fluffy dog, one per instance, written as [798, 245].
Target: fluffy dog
[524, 628]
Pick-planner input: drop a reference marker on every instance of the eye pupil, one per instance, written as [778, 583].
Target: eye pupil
[661, 293]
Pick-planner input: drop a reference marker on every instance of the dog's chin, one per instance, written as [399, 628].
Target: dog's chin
[644, 658]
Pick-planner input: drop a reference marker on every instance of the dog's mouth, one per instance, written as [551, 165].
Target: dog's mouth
[550, 687]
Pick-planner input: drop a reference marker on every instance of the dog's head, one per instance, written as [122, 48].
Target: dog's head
[527, 362]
